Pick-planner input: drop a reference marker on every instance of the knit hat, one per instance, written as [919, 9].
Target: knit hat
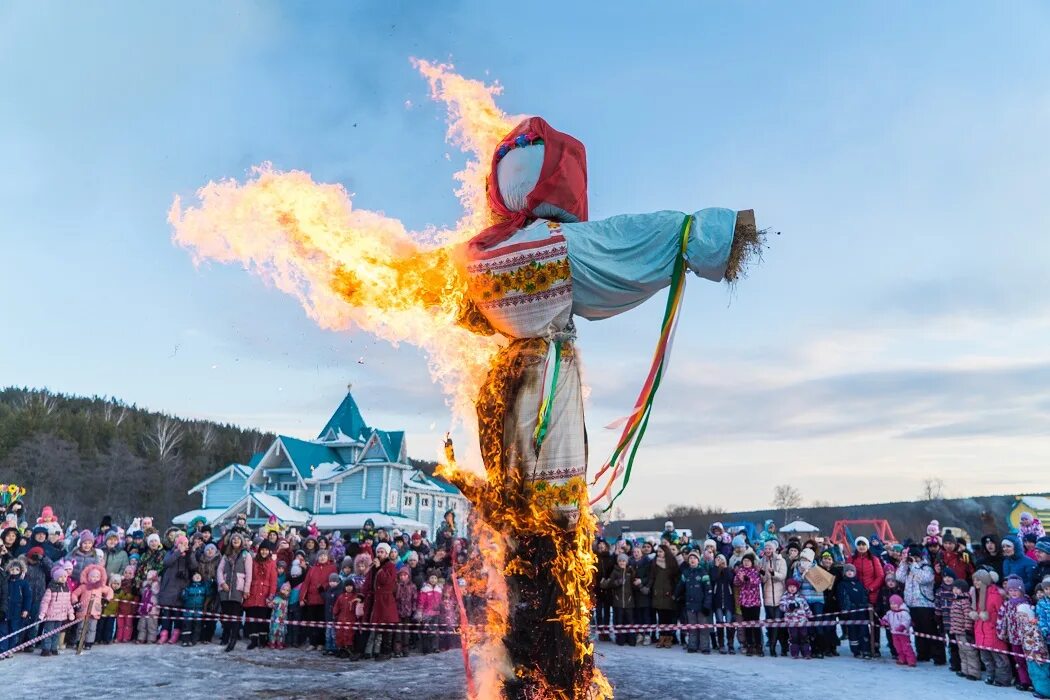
[720, 557]
[334, 577]
[1014, 584]
[86, 536]
[1024, 609]
[982, 576]
[129, 571]
[58, 570]
[1008, 541]
[807, 554]
[382, 547]
[793, 583]
[153, 538]
[826, 554]
[948, 537]
[210, 549]
[404, 571]
[621, 557]
[861, 540]
[948, 572]
[710, 543]
[693, 554]
[1026, 516]
[961, 585]
[181, 540]
[896, 600]
[849, 569]
[35, 553]
[717, 526]
[1043, 545]
[914, 551]
[348, 561]
[412, 555]
[739, 541]
[933, 529]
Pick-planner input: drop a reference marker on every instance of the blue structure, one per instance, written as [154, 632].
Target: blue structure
[349, 473]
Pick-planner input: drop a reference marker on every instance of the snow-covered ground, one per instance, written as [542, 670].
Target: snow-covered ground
[176, 673]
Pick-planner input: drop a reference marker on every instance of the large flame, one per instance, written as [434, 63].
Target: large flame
[353, 268]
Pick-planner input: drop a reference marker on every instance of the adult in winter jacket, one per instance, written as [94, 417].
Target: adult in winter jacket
[260, 593]
[870, 571]
[380, 601]
[114, 557]
[917, 576]
[957, 558]
[643, 599]
[619, 585]
[694, 590]
[990, 557]
[604, 566]
[1015, 563]
[772, 568]
[663, 580]
[234, 580]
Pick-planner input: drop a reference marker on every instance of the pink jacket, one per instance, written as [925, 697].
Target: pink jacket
[429, 601]
[984, 626]
[898, 620]
[56, 606]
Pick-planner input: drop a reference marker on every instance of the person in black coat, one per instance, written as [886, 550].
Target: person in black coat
[604, 565]
[694, 593]
[723, 606]
[990, 556]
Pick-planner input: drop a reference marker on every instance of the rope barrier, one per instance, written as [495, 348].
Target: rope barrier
[30, 642]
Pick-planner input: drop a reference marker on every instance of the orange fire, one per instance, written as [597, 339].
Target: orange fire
[354, 268]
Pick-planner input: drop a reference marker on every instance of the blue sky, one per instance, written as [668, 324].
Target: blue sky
[897, 329]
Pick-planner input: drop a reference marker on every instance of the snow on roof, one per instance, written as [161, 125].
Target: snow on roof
[240, 469]
[355, 521]
[799, 526]
[419, 480]
[208, 514]
[284, 512]
[325, 470]
[1036, 502]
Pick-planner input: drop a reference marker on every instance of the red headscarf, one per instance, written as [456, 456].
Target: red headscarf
[562, 182]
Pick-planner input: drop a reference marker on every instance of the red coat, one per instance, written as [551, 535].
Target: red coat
[264, 583]
[345, 613]
[961, 564]
[870, 573]
[316, 582]
[984, 630]
[380, 587]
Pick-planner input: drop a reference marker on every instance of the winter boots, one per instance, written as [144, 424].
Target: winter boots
[174, 636]
[163, 637]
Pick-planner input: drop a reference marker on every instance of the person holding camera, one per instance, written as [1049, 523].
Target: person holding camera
[917, 576]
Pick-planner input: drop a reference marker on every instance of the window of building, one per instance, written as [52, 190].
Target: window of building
[424, 501]
[391, 500]
[408, 501]
[326, 499]
[439, 502]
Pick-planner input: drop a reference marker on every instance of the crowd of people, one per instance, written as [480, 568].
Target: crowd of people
[982, 611]
[375, 595]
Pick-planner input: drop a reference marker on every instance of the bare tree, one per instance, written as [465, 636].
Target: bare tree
[39, 402]
[207, 434]
[932, 489]
[821, 503]
[113, 412]
[165, 437]
[786, 498]
[258, 442]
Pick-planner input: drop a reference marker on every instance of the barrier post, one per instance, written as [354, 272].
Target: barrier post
[871, 630]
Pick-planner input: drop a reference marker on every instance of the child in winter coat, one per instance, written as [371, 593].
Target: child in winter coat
[960, 627]
[889, 588]
[193, 598]
[19, 603]
[694, 589]
[985, 625]
[1042, 609]
[331, 595]
[796, 612]
[346, 611]
[723, 606]
[428, 611]
[107, 626]
[406, 596]
[854, 600]
[56, 609]
[149, 608]
[89, 598]
[127, 605]
[942, 602]
[1009, 629]
[748, 584]
[898, 625]
[279, 616]
[1035, 648]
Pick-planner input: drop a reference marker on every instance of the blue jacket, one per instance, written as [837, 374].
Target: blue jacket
[722, 589]
[1019, 565]
[194, 595]
[694, 585]
[851, 594]
[19, 597]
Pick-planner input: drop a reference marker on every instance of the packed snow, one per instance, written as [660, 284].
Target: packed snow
[205, 671]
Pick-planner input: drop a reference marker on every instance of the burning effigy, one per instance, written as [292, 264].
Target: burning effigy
[492, 302]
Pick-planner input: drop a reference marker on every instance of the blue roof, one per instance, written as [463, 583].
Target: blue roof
[347, 418]
[446, 486]
[256, 458]
[392, 441]
[307, 455]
